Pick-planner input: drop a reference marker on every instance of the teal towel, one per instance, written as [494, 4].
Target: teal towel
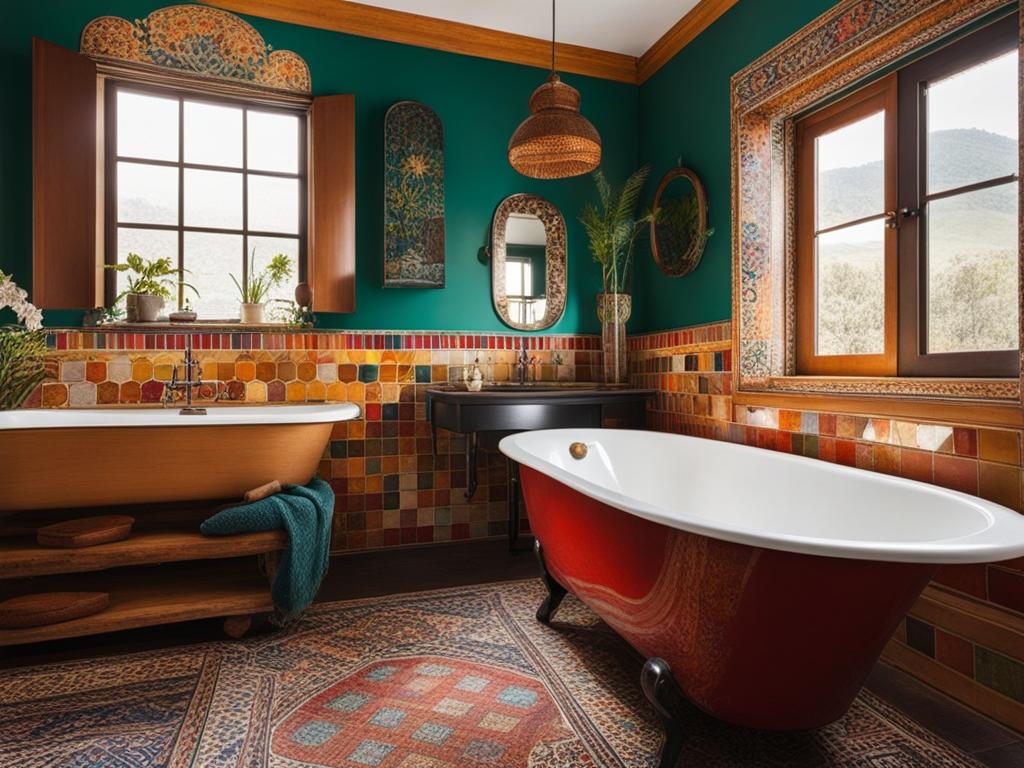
[305, 512]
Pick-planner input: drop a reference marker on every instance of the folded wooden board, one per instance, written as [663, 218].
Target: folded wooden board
[50, 608]
[85, 531]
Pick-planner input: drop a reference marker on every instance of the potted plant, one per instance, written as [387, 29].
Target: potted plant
[613, 230]
[22, 346]
[254, 292]
[150, 284]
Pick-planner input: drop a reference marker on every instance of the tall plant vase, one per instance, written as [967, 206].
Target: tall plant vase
[613, 310]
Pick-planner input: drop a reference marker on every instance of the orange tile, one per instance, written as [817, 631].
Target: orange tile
[438, 373]
[54, 395]
[107, 393]
[336, 391]
[295, 392]
[245, 370]
[999, 445]
[789, 421]
[225, 371]
[316, 391]
[347, 372]
[95, 371]
[131, 392]
[142, 370]
[306, 371]
[956, 472]
[388, 373]
[286, 370]
[886, 459]
[999, 483]
[916, 465]
[266, 371]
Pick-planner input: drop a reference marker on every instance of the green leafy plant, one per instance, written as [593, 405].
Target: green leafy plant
[22, 347]
[150, 277]
[261, 283]
[614, 227]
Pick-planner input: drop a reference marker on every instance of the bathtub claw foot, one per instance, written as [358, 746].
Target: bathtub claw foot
[556, 592]
[662, 690]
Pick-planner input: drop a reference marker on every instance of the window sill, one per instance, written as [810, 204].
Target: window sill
[960, 401]
[223, 326]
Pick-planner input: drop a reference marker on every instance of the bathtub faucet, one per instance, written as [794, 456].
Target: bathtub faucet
[193, 378]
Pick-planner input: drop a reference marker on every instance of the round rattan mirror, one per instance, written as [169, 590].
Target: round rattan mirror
[679, 230]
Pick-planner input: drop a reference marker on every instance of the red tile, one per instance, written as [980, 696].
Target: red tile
[969, 579]
[1006, 587]
[916, 465]
[955, 652]
[826, 424]
[846, 452]
[957, 473]
[965, 441]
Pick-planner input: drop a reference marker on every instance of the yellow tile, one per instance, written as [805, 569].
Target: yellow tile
[356, 391]
[163, 372]
[256, 392]
[295, 392]
[316, 390]
[336, 391]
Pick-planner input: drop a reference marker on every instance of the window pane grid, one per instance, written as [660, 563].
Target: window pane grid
[197, 222]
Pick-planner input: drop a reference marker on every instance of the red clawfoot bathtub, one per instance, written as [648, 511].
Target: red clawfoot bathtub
[765, 584]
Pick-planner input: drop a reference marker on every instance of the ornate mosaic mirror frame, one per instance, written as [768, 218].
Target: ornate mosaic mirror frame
[555, 258]
[844, 47]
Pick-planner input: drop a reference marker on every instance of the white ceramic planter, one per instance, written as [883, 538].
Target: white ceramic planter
[252, 314]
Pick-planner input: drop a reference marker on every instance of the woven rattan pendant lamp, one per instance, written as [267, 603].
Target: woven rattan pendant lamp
[555, 141]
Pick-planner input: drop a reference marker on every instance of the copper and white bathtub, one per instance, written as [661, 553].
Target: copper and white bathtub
[769, 583]
[64, 457]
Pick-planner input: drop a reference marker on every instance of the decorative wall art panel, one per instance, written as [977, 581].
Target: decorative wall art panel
[413, 197]
[197, 39]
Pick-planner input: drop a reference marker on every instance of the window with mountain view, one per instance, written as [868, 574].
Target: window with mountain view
[214, 185]
[907, 220]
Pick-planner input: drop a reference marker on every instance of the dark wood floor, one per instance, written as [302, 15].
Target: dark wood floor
[371, 574]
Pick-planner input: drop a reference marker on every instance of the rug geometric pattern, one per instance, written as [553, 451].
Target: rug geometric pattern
[461, 677]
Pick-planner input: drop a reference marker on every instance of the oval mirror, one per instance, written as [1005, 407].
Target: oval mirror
[679, 230]
[528, 262]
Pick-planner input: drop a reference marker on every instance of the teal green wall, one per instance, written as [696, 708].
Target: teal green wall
[684, 110]
[480, 101]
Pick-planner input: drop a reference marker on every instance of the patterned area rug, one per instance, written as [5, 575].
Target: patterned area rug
[462, 677]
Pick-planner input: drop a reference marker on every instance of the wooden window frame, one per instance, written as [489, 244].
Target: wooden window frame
[879, 96]
[901, 95]
[994, 40]
[111, 158]
[768, 97]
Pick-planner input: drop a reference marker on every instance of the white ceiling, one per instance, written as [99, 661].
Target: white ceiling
[623, 26]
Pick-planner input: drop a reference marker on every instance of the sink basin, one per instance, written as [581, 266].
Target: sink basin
[509, 387]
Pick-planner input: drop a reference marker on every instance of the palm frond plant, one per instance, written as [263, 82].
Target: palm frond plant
[22, 347]
[254, 292]
[613, 228]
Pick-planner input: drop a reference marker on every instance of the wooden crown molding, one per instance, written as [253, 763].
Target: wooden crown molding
[455, 37]
[412, 29]
[700, 17]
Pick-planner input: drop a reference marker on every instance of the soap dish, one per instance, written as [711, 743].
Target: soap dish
[85, 531]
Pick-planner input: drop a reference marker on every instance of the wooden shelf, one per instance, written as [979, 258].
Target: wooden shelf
[21, 557]
[147, 596]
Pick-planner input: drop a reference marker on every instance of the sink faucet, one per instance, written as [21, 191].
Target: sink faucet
[193, 378]
[523, 363]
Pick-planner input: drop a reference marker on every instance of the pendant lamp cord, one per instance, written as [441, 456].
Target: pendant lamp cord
[552, 36]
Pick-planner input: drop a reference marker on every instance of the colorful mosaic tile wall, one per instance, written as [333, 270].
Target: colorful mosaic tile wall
[692, 371]
[391, 487]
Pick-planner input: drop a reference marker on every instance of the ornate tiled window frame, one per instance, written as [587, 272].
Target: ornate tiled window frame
[197, 48]
[837, 51]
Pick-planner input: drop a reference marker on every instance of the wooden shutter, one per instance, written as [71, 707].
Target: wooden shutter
[65, 262]
[331, 261]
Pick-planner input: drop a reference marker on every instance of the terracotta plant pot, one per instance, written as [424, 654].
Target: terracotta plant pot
[613, 310]
[142, 308]
[252, 314]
